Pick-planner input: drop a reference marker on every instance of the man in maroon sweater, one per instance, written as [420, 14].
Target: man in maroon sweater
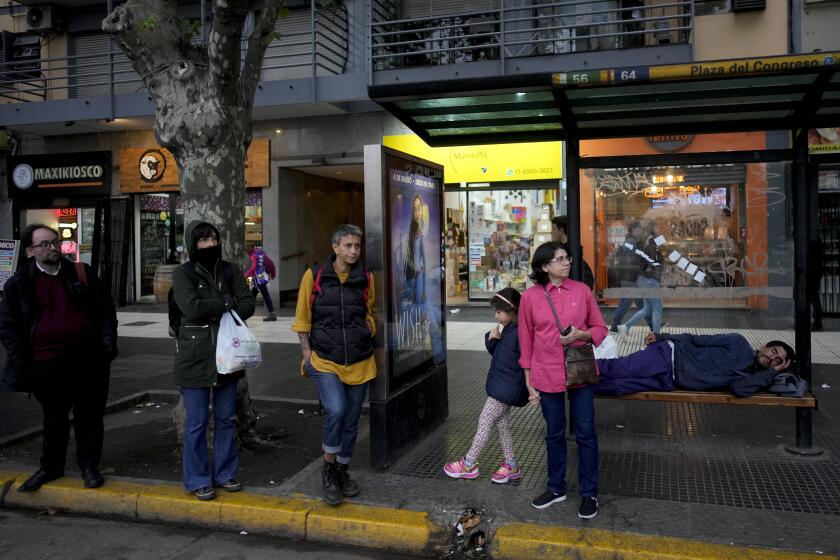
[59, 327]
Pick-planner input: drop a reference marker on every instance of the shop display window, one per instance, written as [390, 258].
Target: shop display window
[74, 227]
[712, 235]
[161, 235]
[491, 236]
[253, 216]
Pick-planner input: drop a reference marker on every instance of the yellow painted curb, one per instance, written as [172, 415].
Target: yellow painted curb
[7, 478]
[526, 541]
[370, 526]
[173, 503]
[264, 514]
[69, 494]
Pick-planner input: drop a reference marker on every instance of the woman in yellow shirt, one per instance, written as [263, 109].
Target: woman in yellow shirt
[335, 325]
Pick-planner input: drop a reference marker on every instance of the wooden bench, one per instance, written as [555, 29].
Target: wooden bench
[719, 397]
[802, 406]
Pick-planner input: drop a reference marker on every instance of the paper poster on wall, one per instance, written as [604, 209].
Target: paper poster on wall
[415, 195]
[8, 259]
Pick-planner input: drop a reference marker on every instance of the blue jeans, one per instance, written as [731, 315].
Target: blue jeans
[582, 409]
[263, 289]
[343, 406]
[199, 470]
[653, 306]
[625, 303]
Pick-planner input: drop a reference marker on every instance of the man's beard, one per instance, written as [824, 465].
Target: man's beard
[52, 258]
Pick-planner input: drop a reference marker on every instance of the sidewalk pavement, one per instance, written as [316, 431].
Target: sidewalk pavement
[677, 480]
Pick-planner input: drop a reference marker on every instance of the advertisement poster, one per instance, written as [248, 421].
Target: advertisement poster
[8, 260]
[824, 140]
[415, 196]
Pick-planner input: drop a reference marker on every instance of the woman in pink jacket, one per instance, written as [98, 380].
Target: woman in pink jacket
[542, 347]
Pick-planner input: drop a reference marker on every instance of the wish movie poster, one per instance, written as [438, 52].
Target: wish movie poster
[416, 263]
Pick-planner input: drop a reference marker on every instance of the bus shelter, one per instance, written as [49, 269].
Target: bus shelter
[752, 170]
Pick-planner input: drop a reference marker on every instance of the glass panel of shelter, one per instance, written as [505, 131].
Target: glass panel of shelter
[721, 235]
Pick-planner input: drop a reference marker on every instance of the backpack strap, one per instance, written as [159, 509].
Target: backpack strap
[81, 272]
[366, 291]
[316, 286]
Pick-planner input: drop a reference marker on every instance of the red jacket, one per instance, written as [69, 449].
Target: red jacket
[539, 338]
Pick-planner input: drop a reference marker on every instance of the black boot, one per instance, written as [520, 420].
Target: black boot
[331, 484]
[349, 487]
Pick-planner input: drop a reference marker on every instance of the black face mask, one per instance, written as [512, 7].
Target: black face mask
[208, 256]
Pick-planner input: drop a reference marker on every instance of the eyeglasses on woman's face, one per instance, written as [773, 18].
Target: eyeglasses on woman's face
[561, 259]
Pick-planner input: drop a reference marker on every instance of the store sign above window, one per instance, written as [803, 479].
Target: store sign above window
[38, 176]
[668, 143]
[487, 163]
[155, 169]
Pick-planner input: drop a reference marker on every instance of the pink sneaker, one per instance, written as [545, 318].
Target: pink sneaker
[459, 469]
[506, 473]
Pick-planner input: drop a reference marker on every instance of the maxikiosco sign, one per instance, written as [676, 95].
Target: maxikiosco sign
[51, 175]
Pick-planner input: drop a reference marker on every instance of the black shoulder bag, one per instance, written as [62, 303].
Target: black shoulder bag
[579, 361]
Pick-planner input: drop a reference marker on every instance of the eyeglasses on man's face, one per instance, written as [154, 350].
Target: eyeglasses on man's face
[55, 242]
[560, 259]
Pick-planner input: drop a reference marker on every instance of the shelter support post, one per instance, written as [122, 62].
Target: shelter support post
[573, 203]
[804, 444]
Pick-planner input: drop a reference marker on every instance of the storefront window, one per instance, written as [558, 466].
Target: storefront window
[491, 236]
[74, 227]
[253, 216]
[161, 235]
[715, 236]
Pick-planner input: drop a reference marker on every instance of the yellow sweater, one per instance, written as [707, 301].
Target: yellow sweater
[354, 374]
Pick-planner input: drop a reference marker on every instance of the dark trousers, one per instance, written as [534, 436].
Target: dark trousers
[582, 408]
[263, 289]
[77, 383]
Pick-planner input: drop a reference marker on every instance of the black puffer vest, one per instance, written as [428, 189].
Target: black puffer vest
[340, 333]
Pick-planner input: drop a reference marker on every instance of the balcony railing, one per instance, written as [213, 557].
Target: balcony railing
[538, 29]
[310, 43]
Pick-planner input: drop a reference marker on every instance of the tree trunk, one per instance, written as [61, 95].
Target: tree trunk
[203, 97]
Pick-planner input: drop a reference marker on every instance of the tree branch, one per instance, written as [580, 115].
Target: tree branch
[148, 33]
[223, 47]
[258, 42]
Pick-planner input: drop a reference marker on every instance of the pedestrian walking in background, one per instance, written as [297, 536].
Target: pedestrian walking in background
[204, 289]
[505, 388]
[261, 272]
[59, 327]
[543, 347]
[623, 271]
[650, 266]
[335, 325]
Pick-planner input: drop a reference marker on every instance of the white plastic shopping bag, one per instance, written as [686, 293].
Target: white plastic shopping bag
[237, 348]
[607, 350]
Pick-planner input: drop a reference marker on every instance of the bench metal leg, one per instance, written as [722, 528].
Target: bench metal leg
[804, 435]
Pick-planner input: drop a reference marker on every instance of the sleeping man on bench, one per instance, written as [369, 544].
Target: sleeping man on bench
[717, 362]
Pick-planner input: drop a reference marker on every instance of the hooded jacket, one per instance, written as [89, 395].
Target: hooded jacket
[19, 314]
[202, 306]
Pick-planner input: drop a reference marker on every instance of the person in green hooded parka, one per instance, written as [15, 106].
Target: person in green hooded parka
[204, 289]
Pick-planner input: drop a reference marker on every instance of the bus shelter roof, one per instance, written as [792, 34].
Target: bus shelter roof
[771, 93]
